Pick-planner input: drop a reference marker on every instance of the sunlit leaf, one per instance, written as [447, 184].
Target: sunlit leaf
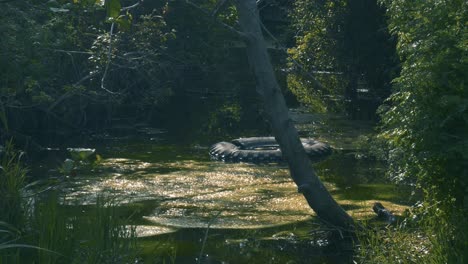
[113, 8]
[124, 22]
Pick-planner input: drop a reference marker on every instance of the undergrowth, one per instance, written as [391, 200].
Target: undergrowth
[38, 229]
[426, 236]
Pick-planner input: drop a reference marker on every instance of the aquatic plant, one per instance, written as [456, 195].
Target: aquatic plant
[12, 182]
[97, 235]
[424, 124]
[35, 229]
[80, 154]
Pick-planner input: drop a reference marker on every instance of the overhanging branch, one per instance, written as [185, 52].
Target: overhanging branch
[314, 81]
[219, 6]
[132, 6]
[214, 19]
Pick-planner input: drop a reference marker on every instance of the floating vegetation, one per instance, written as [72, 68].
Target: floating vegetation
[80, 154]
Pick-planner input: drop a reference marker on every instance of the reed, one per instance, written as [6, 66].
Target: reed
[39, 229]
[99, 236]
[12, 183]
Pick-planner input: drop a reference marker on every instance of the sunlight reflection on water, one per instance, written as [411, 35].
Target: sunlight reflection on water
[247, 196]
[184, 189]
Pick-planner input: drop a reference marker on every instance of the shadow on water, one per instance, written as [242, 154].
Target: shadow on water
[172, 192]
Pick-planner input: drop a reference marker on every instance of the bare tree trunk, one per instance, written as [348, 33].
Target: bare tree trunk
[283, 128]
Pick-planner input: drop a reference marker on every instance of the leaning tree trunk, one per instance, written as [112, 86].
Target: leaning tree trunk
[283, 128]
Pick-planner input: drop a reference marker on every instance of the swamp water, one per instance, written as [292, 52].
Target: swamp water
[172, 192]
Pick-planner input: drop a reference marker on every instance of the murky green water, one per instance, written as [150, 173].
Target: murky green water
[172, 192]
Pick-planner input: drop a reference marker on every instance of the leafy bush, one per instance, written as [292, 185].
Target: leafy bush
[55, 55]
[37, 229]
[343, 44]
[425, 123]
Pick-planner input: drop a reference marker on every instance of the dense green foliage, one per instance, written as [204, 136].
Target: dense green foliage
[54, 57]
[345, 45]
[425, 124]
[71, 66]
[29, 75]
[36, 229]
[66, 67]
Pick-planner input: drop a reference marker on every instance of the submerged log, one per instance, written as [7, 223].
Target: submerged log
[383, 213]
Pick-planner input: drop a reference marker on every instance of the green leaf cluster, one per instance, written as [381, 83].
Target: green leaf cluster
[425, 122]
[54, 56]
[318, 26]
[113, 8]
[345, 45]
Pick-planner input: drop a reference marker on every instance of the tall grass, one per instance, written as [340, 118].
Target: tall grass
[434, 239]
[44, 232]
[12, 182]
[394, 245]
[99, 236]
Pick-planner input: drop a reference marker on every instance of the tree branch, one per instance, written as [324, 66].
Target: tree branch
[69, 93]
[109, 58]
[69, 51]
[219, 6]
[224, 25]
[132, 6]
[314, 81]
[109, 51]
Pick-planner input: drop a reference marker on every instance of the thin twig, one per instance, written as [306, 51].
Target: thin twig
[219, 6]
[20, 106]
[109, 51]
[132, 6]
[69, 51]
[206, 236]
[316, 83]
[226, 26]
[71, 92]
[109, 58]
